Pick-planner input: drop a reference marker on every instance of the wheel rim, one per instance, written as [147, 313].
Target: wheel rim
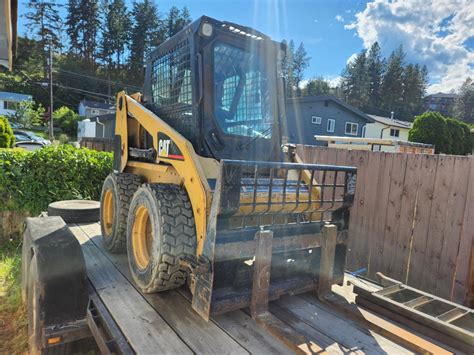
[108, 212]
[142, 237]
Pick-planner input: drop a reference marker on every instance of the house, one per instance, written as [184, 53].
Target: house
[323, 115]
[8, 31]
[102, 126]
[90, 109]
[440, 102]
[387, 128]
[9, 102]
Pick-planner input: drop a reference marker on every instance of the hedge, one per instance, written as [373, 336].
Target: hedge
[29, 181]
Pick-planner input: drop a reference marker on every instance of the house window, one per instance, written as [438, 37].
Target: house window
[331, 125]
[10, 105]
[363, 130]
[433, 106]
[316, 119]
[352, 128]
[394, 132]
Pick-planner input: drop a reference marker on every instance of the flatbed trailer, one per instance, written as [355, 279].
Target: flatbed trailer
[124, 320]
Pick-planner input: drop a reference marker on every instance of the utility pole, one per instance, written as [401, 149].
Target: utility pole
[50, 69]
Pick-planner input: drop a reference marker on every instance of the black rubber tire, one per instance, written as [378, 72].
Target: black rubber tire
[174, 236]
[123, 187]
[75, 211]
[35, 317]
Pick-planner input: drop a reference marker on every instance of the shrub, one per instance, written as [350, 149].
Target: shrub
[29, 181]
[431, 128]
[66, 119]
[7, 139]
[456, 136]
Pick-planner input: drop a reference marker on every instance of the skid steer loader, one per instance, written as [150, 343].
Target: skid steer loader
[205, 191]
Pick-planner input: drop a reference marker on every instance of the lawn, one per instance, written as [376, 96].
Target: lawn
[13, 319]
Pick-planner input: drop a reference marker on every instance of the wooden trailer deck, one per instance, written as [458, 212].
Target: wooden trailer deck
[166, 323]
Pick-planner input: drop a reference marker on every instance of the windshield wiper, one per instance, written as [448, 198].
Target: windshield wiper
[263, 134]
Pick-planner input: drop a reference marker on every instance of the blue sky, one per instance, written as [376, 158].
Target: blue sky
[437, 33]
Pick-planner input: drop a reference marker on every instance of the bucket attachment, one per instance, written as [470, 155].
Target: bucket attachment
[265, 233]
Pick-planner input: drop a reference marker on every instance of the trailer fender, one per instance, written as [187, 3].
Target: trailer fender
[61, 272]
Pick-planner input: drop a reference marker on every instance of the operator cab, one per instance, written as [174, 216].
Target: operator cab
[220, 86]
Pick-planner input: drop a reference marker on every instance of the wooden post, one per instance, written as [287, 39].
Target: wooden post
[261, 273]
[328, 252]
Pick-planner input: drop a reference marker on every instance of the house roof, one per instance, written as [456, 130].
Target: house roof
[442, 95]
[389, 122]
[97, 104]
[103, 118]
[13, 96]
[309, 99]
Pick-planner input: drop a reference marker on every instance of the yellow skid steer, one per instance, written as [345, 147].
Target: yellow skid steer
[205, 191]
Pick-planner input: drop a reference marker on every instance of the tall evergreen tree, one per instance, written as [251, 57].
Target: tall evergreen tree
[375, 70]
[286, 66]
[464, 105]
[88, 27]
[299, 64]
[146, 32]
[392, 83]
[355, 81]
[44, 22]
[73, 18]
[176, 20]
[115, 31]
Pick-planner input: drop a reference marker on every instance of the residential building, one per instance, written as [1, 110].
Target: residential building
[8, 31]
[9, 102]
[387, 128]
[90, 109]
[440, 102]
[323, 115]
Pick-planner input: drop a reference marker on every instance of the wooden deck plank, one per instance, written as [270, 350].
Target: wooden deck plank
[203, 337]
[453, 227]
[392, 223]
[377, 231]
[399, 263]
[437, 222]
[344, 331]
[223, 331]
[420, 236]
[464, 274]
[146, 331]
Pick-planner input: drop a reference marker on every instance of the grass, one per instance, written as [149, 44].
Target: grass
[13, 319]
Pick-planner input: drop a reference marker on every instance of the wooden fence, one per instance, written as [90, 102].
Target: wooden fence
[413, 218]
[100, 144]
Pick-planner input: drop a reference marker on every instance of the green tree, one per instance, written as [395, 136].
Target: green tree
[67, 120]
[73, 18]
[355, 81]
[27, 115]
[392, 82]
[88, 28]
[431, 128]
[115, 31]
[375, 71]
[464, 105]
[414, 89]
[286, 67]
[44, 22]
[317, 86]
[7, 139]
[300, 62]
[176, 20]
[146, 31]
[456, 135]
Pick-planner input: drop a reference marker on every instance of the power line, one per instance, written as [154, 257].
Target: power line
[97, 79]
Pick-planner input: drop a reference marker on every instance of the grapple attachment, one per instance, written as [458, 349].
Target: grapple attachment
[266, 221]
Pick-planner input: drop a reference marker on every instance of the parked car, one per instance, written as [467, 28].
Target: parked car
[29, 145]
[25, 136]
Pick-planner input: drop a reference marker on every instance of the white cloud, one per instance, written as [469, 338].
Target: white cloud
[339, 18]
[432, 33]
[334, 81]
[351, 58]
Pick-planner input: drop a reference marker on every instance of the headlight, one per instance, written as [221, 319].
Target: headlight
[206, 29]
